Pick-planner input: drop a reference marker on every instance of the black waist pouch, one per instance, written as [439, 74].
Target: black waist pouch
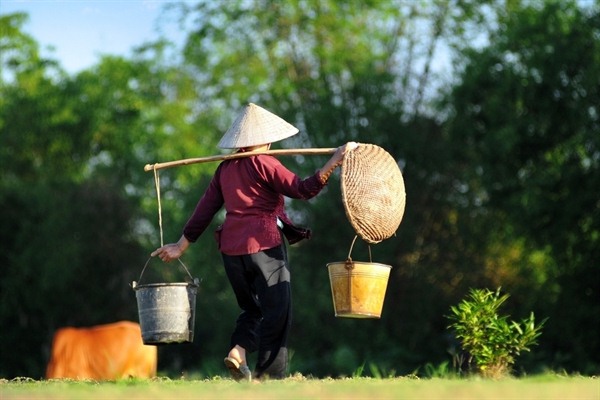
[294, 234]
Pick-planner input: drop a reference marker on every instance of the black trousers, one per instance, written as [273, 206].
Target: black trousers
[261, 283]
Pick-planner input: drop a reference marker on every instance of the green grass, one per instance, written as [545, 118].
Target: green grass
[543, 387]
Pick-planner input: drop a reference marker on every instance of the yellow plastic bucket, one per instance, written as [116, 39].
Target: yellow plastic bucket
[358, 288]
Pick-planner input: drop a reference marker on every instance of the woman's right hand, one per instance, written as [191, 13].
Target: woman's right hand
[349, 147]
[338, 156]
[335, 161]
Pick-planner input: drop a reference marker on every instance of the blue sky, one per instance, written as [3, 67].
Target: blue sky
[81, 30]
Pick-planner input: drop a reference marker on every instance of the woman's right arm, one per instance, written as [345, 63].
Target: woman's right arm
[335, 161]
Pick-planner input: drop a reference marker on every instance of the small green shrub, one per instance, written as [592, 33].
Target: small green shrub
[492, 341]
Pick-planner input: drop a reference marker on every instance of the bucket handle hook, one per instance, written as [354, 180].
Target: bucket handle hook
[349, 263]
[196, 281]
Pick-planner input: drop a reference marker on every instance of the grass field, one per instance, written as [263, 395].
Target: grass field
[544, 387]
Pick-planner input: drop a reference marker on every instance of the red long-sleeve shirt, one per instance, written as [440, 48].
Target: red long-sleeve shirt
[252, 189]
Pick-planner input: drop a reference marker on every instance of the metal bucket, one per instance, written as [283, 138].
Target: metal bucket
[167, 310]
[358, 288]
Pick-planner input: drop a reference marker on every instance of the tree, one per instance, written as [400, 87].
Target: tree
[73, 149]
[526, 119]
[75, 224]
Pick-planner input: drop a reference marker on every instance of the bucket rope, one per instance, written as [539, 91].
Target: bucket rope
[157, 184]
[160, 225]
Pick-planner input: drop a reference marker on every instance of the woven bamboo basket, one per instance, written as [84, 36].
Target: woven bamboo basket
[372, 192]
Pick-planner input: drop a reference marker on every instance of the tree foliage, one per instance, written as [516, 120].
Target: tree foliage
[526, 123]
[501, 172]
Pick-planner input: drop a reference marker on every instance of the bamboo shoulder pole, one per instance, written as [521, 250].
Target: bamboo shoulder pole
[223, 157]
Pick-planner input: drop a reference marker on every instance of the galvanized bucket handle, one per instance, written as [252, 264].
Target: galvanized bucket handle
[349, 263]
[195, 281]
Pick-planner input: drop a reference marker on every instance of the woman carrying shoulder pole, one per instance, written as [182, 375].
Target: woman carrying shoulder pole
[251, 238]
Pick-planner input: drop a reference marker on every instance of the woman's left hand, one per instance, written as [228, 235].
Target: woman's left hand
[168, 252]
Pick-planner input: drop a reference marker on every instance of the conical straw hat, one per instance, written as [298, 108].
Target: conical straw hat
[256, 126]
